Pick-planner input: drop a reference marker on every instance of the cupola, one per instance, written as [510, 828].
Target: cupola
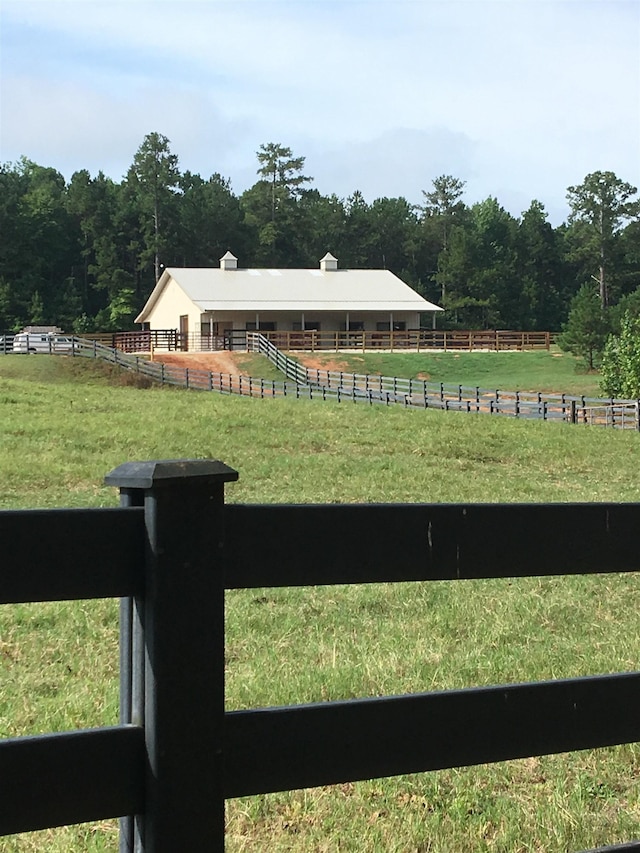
[228, 262]
[329, 263]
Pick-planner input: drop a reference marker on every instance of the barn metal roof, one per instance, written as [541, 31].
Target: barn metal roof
[213, 289]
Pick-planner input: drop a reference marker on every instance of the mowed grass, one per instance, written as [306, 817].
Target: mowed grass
[65, 423]
[555, 370]
[258, 366]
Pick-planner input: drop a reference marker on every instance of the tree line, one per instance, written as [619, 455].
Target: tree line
[86, 254]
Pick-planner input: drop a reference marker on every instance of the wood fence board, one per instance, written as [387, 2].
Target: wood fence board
[70, 777]
[277, 749]
[386, 543]
[65, 554]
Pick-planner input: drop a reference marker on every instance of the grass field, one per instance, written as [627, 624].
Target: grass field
[508, 371]
[65, 423]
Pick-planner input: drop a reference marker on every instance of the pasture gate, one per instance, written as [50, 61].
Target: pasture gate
[169, 552]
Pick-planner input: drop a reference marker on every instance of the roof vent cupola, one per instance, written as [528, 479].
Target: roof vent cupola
[228, 262]
[328, 263]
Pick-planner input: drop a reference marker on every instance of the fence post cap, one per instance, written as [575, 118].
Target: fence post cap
[169, 472]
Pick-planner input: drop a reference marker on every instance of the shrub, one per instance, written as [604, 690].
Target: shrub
[621, 360]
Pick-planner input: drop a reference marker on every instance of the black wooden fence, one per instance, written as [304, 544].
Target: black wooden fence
[171, 550]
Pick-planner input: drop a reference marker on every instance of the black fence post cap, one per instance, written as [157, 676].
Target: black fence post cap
[170, 472]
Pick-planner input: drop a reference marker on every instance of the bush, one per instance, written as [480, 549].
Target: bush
[621, 361]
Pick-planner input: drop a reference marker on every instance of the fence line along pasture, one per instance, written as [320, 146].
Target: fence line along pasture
[418, 393]
[315, 384]
[176, 753]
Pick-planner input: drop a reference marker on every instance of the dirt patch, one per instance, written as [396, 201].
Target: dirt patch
[215, 362]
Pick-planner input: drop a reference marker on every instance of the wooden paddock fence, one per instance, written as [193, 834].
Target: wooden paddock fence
[169, 552]
[312, 341]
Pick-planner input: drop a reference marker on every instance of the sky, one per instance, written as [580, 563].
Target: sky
[518, 98]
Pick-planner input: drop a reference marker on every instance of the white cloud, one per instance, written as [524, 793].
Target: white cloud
[399, 162]
[519, 97]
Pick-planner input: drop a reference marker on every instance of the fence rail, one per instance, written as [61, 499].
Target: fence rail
[338, 386]
[414, 339]
[177, 753]
[418, 393]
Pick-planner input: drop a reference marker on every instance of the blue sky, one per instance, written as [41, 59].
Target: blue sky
[519, 98]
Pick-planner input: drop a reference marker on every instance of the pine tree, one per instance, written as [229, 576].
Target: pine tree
[585, 332]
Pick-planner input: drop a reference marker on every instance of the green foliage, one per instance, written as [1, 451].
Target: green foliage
[628, 304]
[79, 245]
[621, 361]
[210, 221]
[599, 205]
[36, 310]
[154, 176]
[82, 325]
[477, 272]
[272, 207]
[5, 305]
[540, 270]
[442, 209]
[122, 309]
[585, 332]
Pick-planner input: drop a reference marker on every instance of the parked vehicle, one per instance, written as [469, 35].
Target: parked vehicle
[25, 342]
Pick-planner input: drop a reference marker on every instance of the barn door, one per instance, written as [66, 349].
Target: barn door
[184, 332]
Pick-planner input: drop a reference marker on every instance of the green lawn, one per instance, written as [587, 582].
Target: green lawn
[65, 423]
[257, 366]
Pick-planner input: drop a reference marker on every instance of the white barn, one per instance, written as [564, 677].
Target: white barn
[214, 301]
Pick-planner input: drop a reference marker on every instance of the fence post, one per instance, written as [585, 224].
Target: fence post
[182, 618]
[131, 668]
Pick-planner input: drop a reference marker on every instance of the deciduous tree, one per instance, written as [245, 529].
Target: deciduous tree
[621, 361]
